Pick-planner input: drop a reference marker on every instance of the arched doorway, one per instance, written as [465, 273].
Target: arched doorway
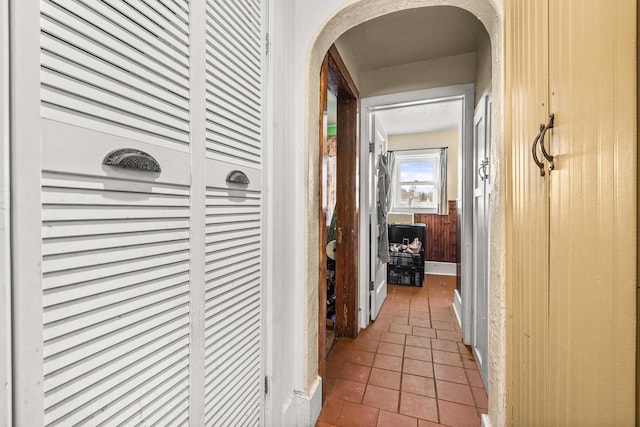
[353, 14]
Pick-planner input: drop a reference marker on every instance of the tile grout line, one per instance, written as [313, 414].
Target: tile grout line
[435, 382]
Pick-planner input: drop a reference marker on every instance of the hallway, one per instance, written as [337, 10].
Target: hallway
[408, 368]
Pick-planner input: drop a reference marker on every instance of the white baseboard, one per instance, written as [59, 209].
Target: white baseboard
[457, 307]
[443, 268]
[303, 409]
[485, 421]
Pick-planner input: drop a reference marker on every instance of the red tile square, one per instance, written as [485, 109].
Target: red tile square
[416, 321]
[418, 385]
[348, 390]
[417, 353]
[321, 424]
[447, 358]
[401, 329]
[444, 345]
[385, 378]
[474, 378]
[380, 397]
[417, 406]
[391, 349]
[334, 366]
[360, 357]
[445, 317]
[370, 334]
[469, 362]
[420, 313]
[414, 341]
[459, 393]
[417, 367]
[392, 419]
[356, 415]
[424, 332]
[397, 320]
[380, 326]
[392, 363]
[456, 415]
[444, 326]
[393, 337]
[364, 344]
[352, 372]
[331, 409]
[423, 423]
[480, 397]
[448, 335]
[449, 373]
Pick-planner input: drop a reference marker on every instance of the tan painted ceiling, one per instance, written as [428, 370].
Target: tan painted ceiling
[413, 35]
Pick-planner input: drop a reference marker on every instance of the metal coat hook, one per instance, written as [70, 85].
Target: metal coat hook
[130, 158]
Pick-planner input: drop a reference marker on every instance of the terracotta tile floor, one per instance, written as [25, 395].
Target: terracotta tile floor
[408, 368]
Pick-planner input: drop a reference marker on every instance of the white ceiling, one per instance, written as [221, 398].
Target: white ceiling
[413, 35]
[430, 117]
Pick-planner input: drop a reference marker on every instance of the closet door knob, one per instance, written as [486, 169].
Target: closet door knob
[534, 151]
[546, 155]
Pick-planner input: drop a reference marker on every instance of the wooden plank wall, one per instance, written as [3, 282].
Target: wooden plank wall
[441, 235]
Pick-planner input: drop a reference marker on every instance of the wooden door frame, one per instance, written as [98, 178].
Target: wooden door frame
[335, 77]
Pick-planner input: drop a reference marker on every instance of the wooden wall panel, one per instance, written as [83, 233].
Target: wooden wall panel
[441, 235]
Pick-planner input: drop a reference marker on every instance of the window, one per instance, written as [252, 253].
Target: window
[416, 181]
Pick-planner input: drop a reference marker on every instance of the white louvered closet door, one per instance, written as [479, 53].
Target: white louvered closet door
[116, 242]
[233, 337]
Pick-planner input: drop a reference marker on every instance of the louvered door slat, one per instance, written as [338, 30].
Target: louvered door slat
[145, 97]
[123, 29]
[90, 30]
[233, 371]
[234, 82]
[81, 410]
[175, 35]
[106, 347]
[58, 55]
[75, 244]
[58, 374]
[97, 228]
[154, 102]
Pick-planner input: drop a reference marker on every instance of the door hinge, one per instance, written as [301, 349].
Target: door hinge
[266, 385]
[371, 285]
[372, 147]
[267, 44]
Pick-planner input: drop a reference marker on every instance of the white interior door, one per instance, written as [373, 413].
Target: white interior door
[378, 270]
[148, 306]
[482, 176]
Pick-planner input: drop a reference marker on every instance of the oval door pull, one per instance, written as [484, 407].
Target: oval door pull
[535, 154]
[546, 155]
[130, 158]
[238, 177]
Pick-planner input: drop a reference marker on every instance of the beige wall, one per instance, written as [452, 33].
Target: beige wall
[450, 70]
[348, 58]
[447, 138]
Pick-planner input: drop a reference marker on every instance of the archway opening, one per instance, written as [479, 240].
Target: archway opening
[350, 16]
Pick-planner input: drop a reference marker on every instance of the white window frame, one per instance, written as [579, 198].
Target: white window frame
[405, 156]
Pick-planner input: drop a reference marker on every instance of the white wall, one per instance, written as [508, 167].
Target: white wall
[445, 138]
[5, 271]
[302, 31]
[440, 72]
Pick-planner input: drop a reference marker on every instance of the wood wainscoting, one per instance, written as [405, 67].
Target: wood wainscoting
[441, 239]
